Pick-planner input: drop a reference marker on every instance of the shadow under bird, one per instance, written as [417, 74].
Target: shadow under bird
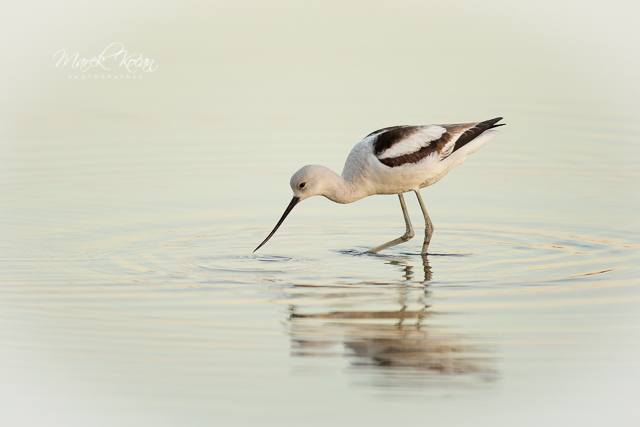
[393, 160]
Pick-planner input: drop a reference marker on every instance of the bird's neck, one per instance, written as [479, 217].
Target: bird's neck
[341, 190]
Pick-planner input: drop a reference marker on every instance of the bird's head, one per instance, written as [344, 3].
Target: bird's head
[308, 181]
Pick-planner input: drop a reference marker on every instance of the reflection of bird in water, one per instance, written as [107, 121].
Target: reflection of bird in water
[408, 268]
[393, 333]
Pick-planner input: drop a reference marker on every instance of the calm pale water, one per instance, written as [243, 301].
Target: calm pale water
[129, 294]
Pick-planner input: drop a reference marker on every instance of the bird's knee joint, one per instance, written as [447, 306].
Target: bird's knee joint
[408, 235]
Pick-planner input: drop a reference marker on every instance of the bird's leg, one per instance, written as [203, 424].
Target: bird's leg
[426, 268]
[428, 225]
[408, 234]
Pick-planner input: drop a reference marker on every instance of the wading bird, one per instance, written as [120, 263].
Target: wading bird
[393, 160]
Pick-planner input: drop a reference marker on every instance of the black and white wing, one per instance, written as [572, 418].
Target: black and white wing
[401, 145]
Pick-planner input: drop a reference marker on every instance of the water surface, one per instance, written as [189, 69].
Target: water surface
[129, 294]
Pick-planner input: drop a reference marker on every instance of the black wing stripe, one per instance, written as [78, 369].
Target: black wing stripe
[387, 138]
[434, 146]
[471, 134]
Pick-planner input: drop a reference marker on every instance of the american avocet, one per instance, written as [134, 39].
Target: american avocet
[393, 160]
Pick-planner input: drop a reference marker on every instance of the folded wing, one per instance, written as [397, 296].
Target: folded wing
[401, 145]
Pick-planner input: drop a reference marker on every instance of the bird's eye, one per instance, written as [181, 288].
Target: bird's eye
[301, 185]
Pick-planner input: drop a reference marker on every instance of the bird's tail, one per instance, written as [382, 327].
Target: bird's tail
[475, 131]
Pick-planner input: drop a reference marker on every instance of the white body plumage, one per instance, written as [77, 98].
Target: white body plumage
[363, 170]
